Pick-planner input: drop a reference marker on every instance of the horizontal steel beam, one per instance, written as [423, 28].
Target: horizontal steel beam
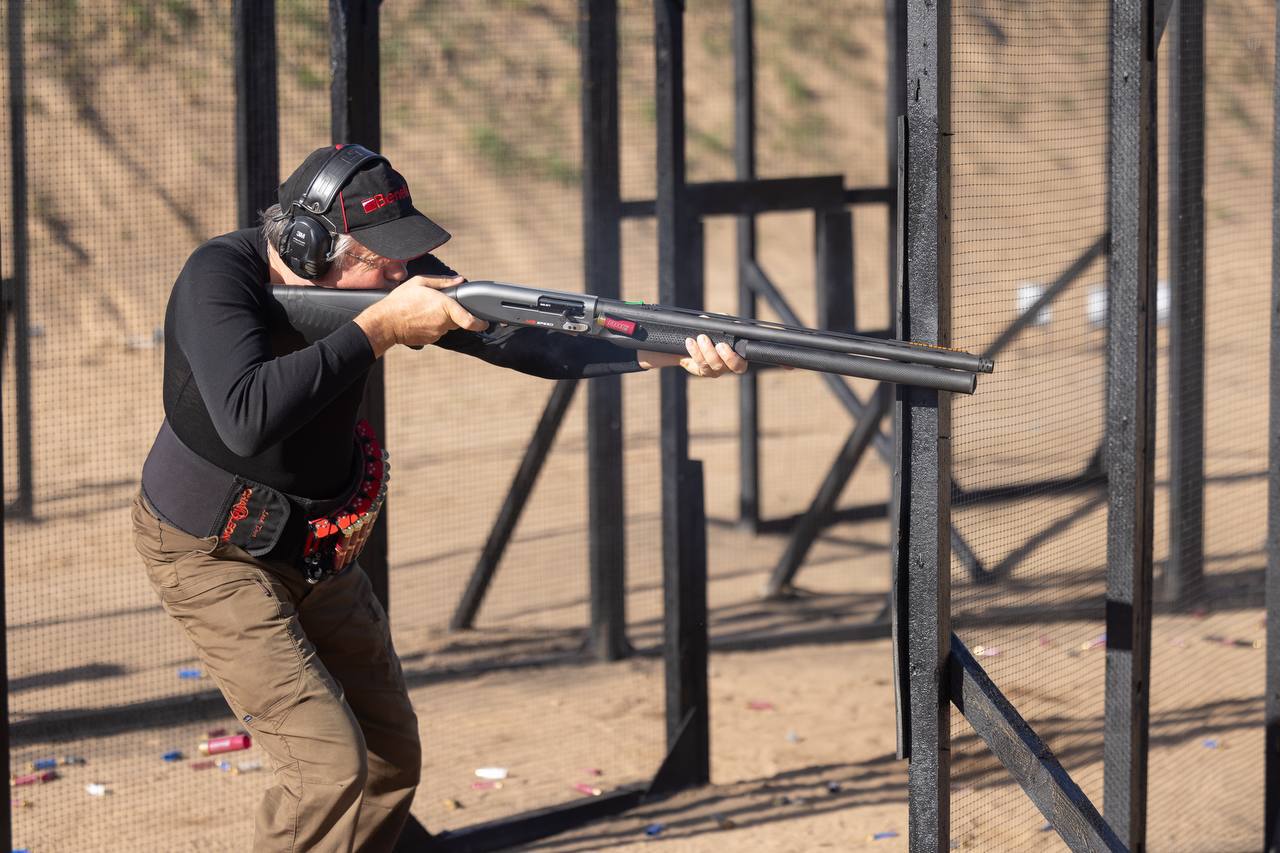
[871, 195]
[725, 198]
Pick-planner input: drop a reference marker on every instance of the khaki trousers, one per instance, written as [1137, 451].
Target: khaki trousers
[312, 675]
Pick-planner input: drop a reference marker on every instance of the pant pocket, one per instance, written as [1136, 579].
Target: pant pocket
[249, 640]
[162, 546]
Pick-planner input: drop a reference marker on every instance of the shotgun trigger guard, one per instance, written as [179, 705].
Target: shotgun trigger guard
[498, 332]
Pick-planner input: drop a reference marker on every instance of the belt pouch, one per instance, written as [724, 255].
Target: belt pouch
[196, 496]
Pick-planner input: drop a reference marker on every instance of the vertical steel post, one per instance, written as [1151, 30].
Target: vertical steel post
[744, 159]
[898, 614]
[25, 502]
[1271, 761]
[1130, 415]
[922, 544]
[687, 726]
[1184, 573]
[602, 271]
[6, 822]
[833, 251]
[356, 118]
[895, 35]
[257, 109]
[23, 507]
[672, 213]
[355, 93]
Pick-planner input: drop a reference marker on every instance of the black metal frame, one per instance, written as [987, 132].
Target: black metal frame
[602, 274]
[1129, 454]
[683, 528]
[257, 108]
[1183, 575]
[922, 429]
[15, 303]
[744, 162]
[1183, 578]
[18, 137]
[1131, 355]
[15, 287]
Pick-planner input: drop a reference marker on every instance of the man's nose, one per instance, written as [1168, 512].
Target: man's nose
[396, 271]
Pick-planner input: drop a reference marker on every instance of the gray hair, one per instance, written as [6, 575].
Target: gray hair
[274, 219]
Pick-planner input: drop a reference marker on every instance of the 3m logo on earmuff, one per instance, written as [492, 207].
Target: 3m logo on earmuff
[383, 199]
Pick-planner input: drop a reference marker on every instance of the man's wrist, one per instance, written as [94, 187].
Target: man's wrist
[381, 338]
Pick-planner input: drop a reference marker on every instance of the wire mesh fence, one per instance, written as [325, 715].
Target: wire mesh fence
[1030, 194]
[1208, 676]
[1029, 200]
[120, 187]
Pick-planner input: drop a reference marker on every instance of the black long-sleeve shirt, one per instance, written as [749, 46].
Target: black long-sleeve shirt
[243, 389]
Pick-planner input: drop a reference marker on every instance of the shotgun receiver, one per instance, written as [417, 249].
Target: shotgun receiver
[639, 326]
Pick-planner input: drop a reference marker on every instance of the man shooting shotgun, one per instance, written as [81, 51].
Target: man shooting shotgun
[262, 485]
[658, 329]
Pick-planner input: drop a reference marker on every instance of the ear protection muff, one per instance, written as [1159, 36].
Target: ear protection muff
[308, 237]
[305, 245]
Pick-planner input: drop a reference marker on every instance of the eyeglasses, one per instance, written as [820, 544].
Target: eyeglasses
[376, 262]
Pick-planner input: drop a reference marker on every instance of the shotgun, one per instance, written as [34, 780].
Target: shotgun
[316, 311]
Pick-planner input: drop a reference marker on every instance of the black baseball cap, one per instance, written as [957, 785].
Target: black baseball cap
[373, 206]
